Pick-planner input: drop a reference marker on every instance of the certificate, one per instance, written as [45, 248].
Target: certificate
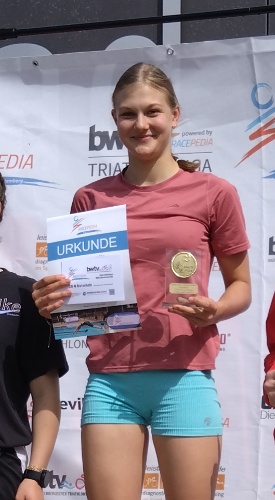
[91, 249]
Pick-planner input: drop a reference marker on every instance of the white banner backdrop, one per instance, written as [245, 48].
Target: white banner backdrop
[57, 134]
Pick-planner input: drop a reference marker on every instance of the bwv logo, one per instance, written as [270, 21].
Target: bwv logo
[54, 480]
[98, 140]
[92, 269]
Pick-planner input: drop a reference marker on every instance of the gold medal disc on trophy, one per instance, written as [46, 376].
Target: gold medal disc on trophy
[183, 264]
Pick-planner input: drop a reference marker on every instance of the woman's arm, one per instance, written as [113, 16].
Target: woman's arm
[45, 425]
[203, 311]
[236, 277]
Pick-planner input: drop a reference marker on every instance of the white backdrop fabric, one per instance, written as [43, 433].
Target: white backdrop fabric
[57, 134]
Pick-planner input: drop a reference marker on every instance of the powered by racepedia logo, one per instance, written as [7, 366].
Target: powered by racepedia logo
[262, 129]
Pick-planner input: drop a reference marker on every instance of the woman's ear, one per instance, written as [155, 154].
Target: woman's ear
[114, 116]
[176, 116]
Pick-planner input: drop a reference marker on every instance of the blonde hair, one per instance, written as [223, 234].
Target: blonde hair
[156, 78]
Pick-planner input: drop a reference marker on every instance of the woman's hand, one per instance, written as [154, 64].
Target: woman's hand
[29, 490]
[204, 311]
[269, 387]
[49, 293]
[201, 311]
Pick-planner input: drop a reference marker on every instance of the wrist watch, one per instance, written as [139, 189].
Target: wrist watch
[38, 476]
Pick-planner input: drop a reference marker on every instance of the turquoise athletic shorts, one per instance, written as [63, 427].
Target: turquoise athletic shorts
[172, 402]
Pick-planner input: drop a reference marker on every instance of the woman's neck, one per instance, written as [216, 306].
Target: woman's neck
[149, 173]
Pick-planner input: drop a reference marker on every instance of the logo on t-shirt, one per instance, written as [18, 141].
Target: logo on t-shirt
[9, 308]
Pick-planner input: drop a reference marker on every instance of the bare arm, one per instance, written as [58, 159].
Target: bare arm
[203, 311]
[45, 424]
[237, 295]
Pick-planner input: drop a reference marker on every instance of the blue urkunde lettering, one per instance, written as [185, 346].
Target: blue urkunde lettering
[87, 246]
[106, 242]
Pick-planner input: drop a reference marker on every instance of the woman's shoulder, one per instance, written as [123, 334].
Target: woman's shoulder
[86, 197]
[209, 180]
[15, 282]
[215, 182]
[21, 280]
[99, 184]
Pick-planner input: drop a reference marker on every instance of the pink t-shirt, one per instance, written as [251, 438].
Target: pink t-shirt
[191, 212]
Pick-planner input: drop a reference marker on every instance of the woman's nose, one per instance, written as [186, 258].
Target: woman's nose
[141, 122]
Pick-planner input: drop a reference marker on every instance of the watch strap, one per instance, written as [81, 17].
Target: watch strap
[35, 475]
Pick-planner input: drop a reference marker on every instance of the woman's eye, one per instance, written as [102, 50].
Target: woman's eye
[127, 114]
[153, 111]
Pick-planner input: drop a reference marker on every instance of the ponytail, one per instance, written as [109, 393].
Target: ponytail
[188, 166]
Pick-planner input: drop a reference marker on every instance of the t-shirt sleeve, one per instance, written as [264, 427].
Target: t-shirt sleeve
[38, 350]
[83, 200]
[227, 225]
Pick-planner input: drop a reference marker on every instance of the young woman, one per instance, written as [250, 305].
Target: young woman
[159, 376]
[31, 362]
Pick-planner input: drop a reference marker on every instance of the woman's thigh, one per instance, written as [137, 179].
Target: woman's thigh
[188, 466]
[186, 429]
[114, 457]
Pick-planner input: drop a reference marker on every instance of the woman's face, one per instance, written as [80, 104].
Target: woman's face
[144, 121]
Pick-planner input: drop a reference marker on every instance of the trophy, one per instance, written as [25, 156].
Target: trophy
[182, 275]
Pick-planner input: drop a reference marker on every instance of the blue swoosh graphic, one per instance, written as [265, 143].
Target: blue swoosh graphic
[271, 175]
[28, 181]
[260, 119]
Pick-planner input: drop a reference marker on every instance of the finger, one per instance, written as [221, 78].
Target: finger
[193, 319]
[193, 302]
[50, 308]
[55, 287]
[188, 311]
[49, 280]
[50, 298]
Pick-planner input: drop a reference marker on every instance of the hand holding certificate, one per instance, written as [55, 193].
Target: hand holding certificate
[91, 249]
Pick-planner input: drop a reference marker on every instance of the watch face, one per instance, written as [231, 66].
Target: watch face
[44, 478]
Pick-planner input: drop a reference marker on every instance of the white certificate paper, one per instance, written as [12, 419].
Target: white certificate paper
[91, 248]
[95, 278]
